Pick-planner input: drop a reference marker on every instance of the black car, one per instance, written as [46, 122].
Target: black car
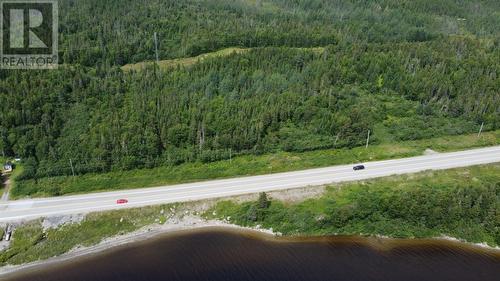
[358, 167]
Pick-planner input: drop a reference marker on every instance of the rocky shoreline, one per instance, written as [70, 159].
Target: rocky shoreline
[171, 226]
[190, 222]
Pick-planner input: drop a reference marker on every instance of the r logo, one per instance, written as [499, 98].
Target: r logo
[17, 24]
[29, 33]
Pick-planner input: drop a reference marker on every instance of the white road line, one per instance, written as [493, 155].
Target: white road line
[274, 183]
[35, 208]
[285, 175]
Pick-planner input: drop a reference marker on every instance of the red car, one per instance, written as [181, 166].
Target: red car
[121, 201]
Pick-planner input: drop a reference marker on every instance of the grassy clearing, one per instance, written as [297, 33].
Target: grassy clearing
[30, 243]
[15, 173]
[12, 176]
[167, 64]
[172, 63]
[462, 203]
[243, 165]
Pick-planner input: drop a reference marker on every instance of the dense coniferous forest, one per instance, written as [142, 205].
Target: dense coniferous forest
[121, 31]
[402, 69]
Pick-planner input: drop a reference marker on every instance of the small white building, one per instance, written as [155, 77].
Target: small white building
[7, 167]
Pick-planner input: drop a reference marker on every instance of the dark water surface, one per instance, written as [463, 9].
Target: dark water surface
[229, 255]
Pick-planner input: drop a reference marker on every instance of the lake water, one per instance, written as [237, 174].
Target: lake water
[217, 254]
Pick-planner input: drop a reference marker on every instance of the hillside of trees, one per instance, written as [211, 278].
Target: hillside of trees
[402, 69]
[121, 31]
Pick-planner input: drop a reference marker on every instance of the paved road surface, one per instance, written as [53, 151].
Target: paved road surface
[35, 208]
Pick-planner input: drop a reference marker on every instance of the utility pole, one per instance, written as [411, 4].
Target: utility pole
[336, 139]
[480, 130]
[368, 139]
[72, 169]
[156, 48]
[230, 155]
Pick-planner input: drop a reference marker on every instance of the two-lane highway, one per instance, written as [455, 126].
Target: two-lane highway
[35, 208]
